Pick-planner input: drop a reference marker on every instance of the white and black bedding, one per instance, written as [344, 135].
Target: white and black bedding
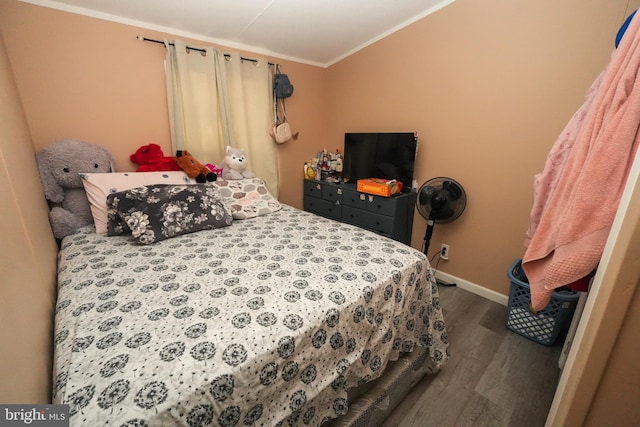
[265, 322]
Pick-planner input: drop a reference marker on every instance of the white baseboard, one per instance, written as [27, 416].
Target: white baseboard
[474, 288]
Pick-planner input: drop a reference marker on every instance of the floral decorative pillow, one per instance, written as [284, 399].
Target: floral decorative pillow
[99, 185]
[157, 212]
[247, 198]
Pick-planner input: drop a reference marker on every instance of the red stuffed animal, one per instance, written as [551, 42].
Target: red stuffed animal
[151, 158]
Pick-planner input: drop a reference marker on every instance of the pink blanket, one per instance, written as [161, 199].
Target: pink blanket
[579, 190]
[545, 182]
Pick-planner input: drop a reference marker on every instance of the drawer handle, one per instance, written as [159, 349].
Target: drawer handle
[379, 207]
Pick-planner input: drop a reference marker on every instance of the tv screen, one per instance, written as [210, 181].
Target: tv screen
[380, 155]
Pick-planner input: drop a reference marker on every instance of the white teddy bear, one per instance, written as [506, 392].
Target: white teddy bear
[234, 164]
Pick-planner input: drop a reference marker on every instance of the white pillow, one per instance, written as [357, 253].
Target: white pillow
[99, 185]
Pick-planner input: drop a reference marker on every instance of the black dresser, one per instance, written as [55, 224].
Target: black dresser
[388, 216]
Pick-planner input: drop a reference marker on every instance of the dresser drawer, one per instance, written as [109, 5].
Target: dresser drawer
[322, 207]
[355, 199]
[381, 205]
[312, 188]
[378, 223]
[332, 193]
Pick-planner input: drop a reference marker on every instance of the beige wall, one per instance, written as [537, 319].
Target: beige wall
[27, 258]
[488, 85]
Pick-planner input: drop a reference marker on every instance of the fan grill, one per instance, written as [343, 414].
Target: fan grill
[441, 199]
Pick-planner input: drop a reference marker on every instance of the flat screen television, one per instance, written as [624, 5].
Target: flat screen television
[380, 155]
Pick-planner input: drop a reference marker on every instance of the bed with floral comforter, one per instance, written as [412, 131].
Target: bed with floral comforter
[267, 321]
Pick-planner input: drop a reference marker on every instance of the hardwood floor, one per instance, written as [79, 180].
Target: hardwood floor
[494, 378]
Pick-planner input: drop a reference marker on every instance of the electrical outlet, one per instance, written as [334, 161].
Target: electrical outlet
[444, 251]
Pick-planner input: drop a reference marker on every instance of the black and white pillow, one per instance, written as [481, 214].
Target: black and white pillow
[99, 185]
[157, 212]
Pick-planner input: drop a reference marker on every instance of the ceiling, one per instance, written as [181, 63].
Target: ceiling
[316, 32]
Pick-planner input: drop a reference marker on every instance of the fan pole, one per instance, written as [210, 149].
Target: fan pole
[427, 235]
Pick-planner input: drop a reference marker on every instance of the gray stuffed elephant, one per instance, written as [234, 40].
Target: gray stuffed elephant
[59, 166]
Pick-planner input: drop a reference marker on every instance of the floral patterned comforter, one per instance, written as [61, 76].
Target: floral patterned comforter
[268, 321]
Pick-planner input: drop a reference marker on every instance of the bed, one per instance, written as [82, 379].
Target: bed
[272, 319]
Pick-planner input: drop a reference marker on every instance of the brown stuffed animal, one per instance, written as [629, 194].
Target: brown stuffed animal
[193, 168]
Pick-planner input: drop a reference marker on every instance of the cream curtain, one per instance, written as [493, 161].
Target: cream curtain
[215, 102]
[249, 85]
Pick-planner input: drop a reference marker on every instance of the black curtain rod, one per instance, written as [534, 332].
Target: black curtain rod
[226, 55]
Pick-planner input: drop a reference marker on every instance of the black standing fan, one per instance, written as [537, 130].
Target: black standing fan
[440, 200]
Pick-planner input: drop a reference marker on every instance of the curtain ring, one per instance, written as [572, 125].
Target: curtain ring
[188, 49]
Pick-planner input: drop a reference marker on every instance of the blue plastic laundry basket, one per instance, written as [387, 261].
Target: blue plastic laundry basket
[545, 325]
